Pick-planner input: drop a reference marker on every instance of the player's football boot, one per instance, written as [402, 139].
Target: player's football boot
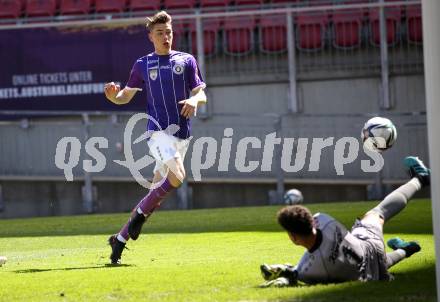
[418, 169]
[410, 247]
[274, 271]
[135, 225]
[3, 260]
[117, 248]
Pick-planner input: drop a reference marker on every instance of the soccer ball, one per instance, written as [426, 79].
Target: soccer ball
[293, 196]
[378, 134]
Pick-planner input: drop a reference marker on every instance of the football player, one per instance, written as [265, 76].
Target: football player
[334, 254]
[174, 88]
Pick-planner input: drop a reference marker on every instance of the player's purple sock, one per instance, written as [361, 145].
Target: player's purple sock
[155, 197]
[148, 204]
[123, 233]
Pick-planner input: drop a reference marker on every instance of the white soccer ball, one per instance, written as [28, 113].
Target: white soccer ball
[378, 134]
[293, 196]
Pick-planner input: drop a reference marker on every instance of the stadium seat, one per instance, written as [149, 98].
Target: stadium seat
[347, 27]
[273, 34]
[414, 24]
[110, 6]
[210, 36]
[285, 1]
[393, 16]
[75, 7]
[179, 4]
[238, 35]
[214, 3]
[144, 5]
[320, 2]
[310, 30]
[350, 1]
[10, 9]
[248, 2]
[40, 8]
[179, 34]
[340, 2]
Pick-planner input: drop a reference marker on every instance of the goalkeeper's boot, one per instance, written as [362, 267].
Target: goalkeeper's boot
[410, 247]
[274, 271]
[418, 169]
[117, 248]
[135, 224]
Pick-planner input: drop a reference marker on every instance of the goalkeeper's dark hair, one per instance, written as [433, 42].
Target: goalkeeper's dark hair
[161, 17]
[296, 220]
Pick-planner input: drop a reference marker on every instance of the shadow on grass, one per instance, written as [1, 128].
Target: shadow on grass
[416, 285]
[42, 270]
[415, 219]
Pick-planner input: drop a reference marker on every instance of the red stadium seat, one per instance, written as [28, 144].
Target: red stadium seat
[320, 2]
[138, 5]
[10, 9]
[340, 2]
[179, 4]
[310, 30]
[75, 7]
[178, 34]
[273, 34]
[214, 3]
[414, 24]
[347, 26]
[393, 16]
[285, 1]
[210, 36]
[110, 6]
[40, 8]
[351, 1]
[238, 35]
[248, 2]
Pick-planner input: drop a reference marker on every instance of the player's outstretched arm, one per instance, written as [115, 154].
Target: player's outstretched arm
[190, 105]
[117, 96]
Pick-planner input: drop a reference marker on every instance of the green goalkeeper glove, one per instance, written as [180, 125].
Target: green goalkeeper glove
[278, 282]
[279, 275]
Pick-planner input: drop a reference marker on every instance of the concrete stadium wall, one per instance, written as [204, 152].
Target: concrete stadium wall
[33, 186]
[42, 198]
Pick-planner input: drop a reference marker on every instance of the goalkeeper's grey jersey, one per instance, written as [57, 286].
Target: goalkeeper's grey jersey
[338, 258]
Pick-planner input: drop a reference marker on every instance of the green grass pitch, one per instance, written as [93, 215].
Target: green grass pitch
[198, 255]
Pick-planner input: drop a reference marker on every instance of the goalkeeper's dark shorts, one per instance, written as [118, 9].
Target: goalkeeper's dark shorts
[371, 239]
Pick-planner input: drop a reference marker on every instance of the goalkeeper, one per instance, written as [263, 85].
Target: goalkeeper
[337, 255]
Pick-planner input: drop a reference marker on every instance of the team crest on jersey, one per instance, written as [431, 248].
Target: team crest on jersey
[178, 68]
[153, 74]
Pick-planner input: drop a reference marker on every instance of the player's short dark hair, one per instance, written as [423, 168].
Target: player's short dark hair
[296, 220]
[161, 17]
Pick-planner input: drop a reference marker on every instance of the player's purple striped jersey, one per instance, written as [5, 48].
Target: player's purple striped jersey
[167, 79]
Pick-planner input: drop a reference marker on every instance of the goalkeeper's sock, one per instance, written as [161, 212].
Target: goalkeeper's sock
[396, 201]
[395, 257]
